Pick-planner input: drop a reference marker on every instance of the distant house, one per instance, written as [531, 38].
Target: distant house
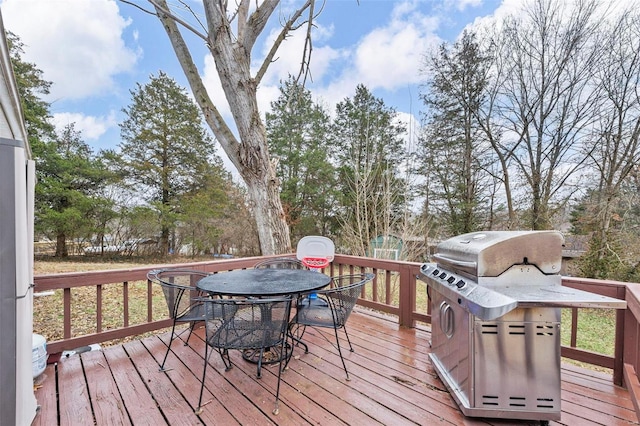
[574, 247]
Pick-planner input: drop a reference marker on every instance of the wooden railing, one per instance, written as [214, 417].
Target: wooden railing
[395, 291]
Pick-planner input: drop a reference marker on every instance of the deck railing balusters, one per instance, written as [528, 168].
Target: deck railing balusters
[99, 308]
[125, 303]
[399, 277]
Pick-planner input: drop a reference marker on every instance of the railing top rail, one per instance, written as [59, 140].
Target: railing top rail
[79, 279]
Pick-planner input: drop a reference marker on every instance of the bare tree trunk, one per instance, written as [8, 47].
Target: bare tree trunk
[232, 54]
[61, 245]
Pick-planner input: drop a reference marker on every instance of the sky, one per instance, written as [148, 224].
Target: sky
[95, 51]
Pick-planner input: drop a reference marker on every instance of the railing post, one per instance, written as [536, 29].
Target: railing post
[618, 352]
[407, 299]
[125, 303]
[630, 349]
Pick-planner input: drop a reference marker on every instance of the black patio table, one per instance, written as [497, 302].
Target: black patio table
[264, 283]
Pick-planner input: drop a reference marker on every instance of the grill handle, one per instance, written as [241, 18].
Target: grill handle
[446, 319]
[469, 267]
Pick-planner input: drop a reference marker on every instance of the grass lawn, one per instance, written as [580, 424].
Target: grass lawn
[48, 310]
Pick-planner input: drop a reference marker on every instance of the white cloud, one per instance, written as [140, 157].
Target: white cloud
[76, 43]
[389, 57]
[464, 4]
[92, 128]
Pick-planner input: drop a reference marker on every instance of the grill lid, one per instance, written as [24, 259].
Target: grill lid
[491, 273]
[490, 253]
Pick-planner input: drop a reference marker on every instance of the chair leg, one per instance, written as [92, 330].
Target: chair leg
[276, 409]
[335, 330]
[224, 354]
[193, 324]
[204, 372]
[347, 334]
[290, 354]
[173, 329]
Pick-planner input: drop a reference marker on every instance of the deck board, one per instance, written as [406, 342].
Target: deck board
[392, 383]
[45, 388]
[73, 393]
[103, 389]
[138, 401]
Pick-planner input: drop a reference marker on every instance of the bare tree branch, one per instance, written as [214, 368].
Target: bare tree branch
[242, 14]
[162, 7]
[223, 134]
[256, 23]
[138, 7]
[281, 37]
[308, 47]
[195, 16]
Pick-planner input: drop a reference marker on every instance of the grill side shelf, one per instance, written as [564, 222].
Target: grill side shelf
[555, 296]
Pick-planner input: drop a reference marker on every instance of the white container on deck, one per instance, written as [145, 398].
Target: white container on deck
[39, 354]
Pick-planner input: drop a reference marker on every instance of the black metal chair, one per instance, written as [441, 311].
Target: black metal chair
[245, 324]
[182, 297]
[340, 300]
[280, 263]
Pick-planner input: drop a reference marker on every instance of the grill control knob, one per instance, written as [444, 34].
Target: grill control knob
[460, 284]
[451, 280]
[443, 275]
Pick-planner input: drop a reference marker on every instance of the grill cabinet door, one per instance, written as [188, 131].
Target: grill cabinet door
[517, 361]
[451, 340]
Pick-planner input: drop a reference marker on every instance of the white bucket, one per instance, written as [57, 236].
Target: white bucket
[39, 355]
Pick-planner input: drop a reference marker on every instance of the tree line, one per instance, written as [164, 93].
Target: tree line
[164, 182]
[529, 124]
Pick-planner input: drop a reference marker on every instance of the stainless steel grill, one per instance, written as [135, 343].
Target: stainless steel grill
[495, 299]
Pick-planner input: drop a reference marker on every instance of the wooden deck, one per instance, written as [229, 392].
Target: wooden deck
[392, 383]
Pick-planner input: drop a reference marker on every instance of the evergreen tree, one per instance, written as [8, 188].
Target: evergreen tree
[202, 207]
[67, 192]
[31, 86]
[454, 152]
[297, 132]
[69, 176]
[369, 152]
[165, 150]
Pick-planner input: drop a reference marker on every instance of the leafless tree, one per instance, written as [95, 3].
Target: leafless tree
[230, 31]
[615, 144]
[547, 101]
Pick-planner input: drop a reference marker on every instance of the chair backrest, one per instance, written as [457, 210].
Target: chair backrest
[246, 323]
[280, 263]
[344, 294]
[178, 287]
